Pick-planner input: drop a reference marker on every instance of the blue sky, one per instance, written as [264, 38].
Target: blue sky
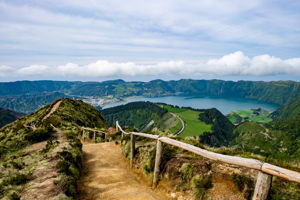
[143, 40]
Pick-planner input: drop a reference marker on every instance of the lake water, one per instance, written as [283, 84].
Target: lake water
[225, 105]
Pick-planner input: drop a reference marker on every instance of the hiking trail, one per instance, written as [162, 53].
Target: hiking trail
[53, 109]
[106, 175]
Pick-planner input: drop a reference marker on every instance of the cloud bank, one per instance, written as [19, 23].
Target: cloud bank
[71, 30]
[234, 64]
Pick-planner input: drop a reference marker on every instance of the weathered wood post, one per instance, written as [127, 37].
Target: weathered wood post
[83, 135]
[157, 162]
[262, 186]
[94, 136]
[132, 149]
[117, 128]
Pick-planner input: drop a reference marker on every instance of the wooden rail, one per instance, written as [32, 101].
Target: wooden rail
[93, 130]
[264, 178]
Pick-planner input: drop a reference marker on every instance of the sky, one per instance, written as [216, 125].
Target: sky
[143, 40]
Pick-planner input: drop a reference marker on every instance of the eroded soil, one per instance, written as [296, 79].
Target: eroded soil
[106, 175]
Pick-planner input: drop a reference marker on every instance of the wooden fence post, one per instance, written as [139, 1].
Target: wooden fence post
[262, 186]
[94, 136]
[157, 162]
[132, 149]
[83, 135]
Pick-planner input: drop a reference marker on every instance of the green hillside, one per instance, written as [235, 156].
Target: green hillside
[28, 96]
[28, 103]
[41, 151]
[8, 116]
[288, 110]
[142, 115]
[256, 115]
[193, 126]
[210, 125]
[279, 140]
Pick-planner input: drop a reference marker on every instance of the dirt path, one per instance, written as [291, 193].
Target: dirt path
[182, 124]
[106, 176]
[52, 110]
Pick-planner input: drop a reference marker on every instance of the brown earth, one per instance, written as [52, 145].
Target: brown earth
[53, 109]
[106, 175]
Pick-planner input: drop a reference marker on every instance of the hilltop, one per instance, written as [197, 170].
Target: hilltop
[41, 151]
[8, 116]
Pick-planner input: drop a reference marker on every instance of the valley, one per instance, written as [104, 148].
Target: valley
[28, 96]
[51, 138]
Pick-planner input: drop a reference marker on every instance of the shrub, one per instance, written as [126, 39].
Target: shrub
[38, 135]
[16, 165]
[18, 179]
[186, 171]
[149, 161]
[200, 184]
[14, 196]
[49, 145]
[244, 184]
[69, 185]
[74, 172]
[125, 147]
[63, 166]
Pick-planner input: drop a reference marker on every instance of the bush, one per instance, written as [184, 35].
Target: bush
[14, 196]
[148, 161]
[186, 171]
[69, 186]
[244, 184]
[200, 184]
[18, 179]
[16, 165]
[49, 145]
[38, 135]
[63, 166]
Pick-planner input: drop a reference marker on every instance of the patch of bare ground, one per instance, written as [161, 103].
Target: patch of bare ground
[44, 179]
[223, 189]
[53, 109]
[34, 148]
[106, 175]
[223, 186]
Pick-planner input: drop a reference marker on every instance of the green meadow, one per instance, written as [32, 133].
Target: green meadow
[193, 126]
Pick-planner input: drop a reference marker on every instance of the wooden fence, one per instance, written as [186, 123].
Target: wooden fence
[84, 134]
[264, 178]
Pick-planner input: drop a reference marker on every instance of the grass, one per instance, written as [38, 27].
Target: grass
[177, 127]
[239, 116]
[193, 126]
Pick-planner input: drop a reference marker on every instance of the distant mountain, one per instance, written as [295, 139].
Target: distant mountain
[29, 87]
[289, 110]
[278, 92]
[28, 103]
[8, 116]
[29, 94]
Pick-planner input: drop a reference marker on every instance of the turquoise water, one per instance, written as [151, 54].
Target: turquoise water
[225, 105]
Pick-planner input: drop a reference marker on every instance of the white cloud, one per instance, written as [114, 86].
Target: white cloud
[5, 70]
[134, 29]
[234, 64]
[35, 70]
